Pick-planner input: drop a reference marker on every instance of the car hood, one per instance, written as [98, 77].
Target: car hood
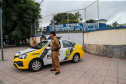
[25, 51]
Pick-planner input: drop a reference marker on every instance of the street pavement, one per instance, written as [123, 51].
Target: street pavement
[90, 70]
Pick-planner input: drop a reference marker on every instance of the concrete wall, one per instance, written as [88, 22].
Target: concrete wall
[106, 42]
[73, 37]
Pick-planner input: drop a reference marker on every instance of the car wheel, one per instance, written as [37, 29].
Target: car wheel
[76, 58]
[35, 65]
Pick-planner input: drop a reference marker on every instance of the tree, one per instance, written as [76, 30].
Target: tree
[77, 15]
[115, 24]
[108, 25]
[61, 18]
[70, 21]
[18, 16]
[90, 21]
[80, 19]
[44, 29]
[121, 25]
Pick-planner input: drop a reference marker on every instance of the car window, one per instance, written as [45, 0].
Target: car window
[73, 44]
[67, 44]
[48, 45]
[40, 45]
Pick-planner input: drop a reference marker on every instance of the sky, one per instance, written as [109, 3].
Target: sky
[111, 10]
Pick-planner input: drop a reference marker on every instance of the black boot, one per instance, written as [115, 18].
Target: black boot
[52, 70]
[57, 73]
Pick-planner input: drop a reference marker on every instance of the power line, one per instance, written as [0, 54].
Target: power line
[70, 11]
[41, 2]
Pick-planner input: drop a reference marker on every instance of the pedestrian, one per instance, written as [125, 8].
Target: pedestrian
[54, 47]
[33, 42]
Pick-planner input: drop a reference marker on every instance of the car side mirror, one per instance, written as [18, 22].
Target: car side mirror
[48, 48]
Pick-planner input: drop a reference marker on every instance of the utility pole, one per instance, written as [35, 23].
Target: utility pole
[41, 20]
[68, 20]
[85, 18]
[41, 26]
[31, 31]
[53, 22]
[98, 12]
[2, 55]
[35, 27]
[85, 12]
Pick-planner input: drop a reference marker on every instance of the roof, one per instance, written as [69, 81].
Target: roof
[102, 20]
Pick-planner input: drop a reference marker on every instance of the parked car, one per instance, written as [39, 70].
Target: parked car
[36, 57]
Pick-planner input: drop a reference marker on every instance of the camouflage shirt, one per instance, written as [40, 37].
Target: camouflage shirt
[54, 43]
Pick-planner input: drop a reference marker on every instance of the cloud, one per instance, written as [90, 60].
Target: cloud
[112, 10]
[78, 0]
[119, 17]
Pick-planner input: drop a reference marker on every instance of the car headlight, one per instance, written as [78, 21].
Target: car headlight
[22, 56]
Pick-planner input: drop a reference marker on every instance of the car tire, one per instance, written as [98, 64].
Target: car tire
[36, 65]
[76, 58]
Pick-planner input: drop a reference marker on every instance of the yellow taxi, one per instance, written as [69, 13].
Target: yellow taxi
[36, 57]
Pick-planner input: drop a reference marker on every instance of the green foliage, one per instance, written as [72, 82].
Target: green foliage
[121, 25]
[115, 24]
[77, 15]
[81, 19]
[18, 16]
[108, 25]
[61, 18]
[70, 21]
[44, 29]
[90, 21]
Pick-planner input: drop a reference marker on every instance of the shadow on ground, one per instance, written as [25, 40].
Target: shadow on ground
[48, 66]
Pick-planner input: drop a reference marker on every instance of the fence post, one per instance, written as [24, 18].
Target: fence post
[98, 12]
[2, 55]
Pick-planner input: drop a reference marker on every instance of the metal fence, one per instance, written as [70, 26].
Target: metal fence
[96, 10]
[84, 11]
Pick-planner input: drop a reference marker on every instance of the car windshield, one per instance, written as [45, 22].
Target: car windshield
[40, 45]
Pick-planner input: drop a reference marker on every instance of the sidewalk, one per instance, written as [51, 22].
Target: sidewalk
[90, 70]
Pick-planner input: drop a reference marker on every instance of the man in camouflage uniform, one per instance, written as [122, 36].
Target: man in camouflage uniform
[33, 41]
[55, 46]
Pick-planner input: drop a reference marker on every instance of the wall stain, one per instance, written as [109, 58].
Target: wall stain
[112, 51]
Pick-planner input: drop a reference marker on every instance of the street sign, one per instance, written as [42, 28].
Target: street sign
[75, 27]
